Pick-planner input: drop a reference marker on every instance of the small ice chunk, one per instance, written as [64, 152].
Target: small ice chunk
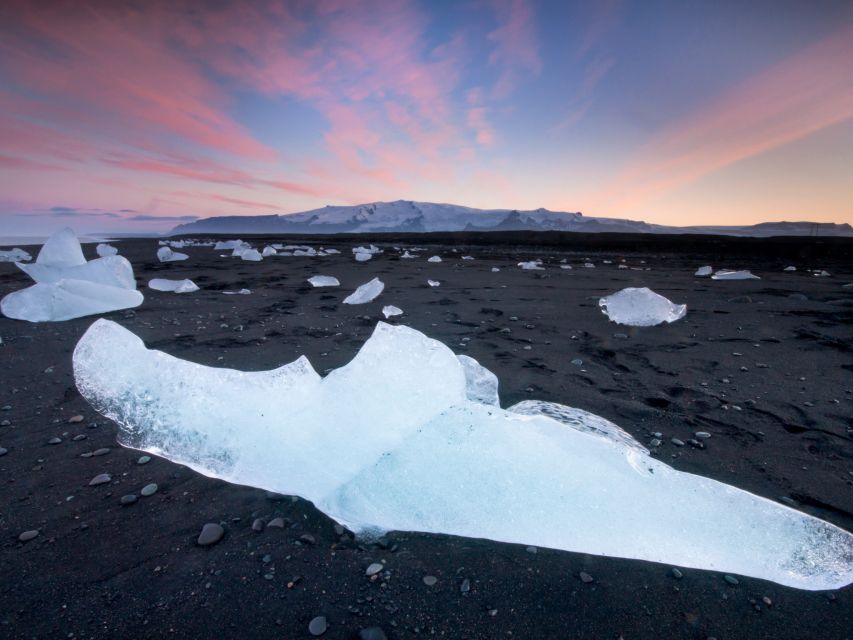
[725, 274]
[407, 255]
[268, 251]
[105, 250]
[568, 266]
[15, 255]
[790, 268]
[822, 273]
[532, 265]
[372, 250]
[363, 256]
[433, 283]
[390, 310]
[165, 254]
[588, 265]
[241, 292]
[467, 257]
[175, 286]
[640, 307]
[251, 255]
[227, 245]
[366, 292]
[495, 269]
[481, 385]
[323, 281]
[704, 271]
[434, 259]
[331, 252]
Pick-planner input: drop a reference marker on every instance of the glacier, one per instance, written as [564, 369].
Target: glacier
[67, 286]
[408, 436]
[640, 307]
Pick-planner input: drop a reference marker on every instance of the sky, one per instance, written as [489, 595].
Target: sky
[136, 116]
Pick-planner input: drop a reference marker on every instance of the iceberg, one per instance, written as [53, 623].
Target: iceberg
[69, 287]
[227, 245]
[175, 286]
[251, 255]
[703, 271]
[402, 438]
[640, 307]
[105, 250]
[15, 255]
[165, 254]
[324, 281]
[366, 292]
[725, 274]
[390, 310]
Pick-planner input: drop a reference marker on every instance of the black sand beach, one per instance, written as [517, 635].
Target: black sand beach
[764, 366]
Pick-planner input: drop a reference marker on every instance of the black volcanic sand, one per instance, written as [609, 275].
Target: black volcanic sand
[767, 374]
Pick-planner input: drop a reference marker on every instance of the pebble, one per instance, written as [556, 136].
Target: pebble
[79, 437]
[676, 573]
[54, 441]
[655, 442]
[277, 523]
[3, 451]
[677, 442]
[101, 452]
[620, 336]
[149, 490]
[731, 580]
[703, 435]
[317, 626]
[374, 568]
[258, 525]
[144, 460]
[75, 419]
[372, 633]
[430, 580]
[26, 536]
[129, 499]
[211, 533]
[102, 478]
[585, 577]
[307, 538]
[465, 587]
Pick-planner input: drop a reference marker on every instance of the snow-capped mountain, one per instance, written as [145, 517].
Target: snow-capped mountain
[408, 216]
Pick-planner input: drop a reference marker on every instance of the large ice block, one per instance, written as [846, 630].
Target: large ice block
[366, 292]
[640, 307]
[400, 439]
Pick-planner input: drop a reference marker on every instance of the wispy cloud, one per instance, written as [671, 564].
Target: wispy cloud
[515, 45]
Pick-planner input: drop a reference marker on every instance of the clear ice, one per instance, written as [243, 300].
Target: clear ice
[390, 311]
[104, 250]
[640, 307]
[66, 286]
[724, 274]
[15, 255]
[704, 271]
[366, 292]
[408, 436]
[165, 254]
[324, 281]
[175, 286]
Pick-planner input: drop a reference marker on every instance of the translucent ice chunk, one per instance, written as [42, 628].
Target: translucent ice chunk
[105, 250]
[532, 265]
[407, 255]
[434, 259]
[640, 308]
[268, 251]
[704, 271]
[790, 268]
[324, 281]
[112, 271]
[390, 310]
[165, 254]
[175, 286]
[67, 299]
[724, 274]
[241, 292]
[62, 249]
[481, 385]
[251, 255]
[363, 256]
[227, 245]
[14, 255]
[392, 441]
[433, 283]
[366, 292]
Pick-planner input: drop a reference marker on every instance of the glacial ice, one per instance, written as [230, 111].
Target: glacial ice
[401, 439]
[433, 283]
[366, 292]
[15, 255]
[532, 265]
[165, 254]
[241, 292]
[407, 255]
[105, 250]
[175, 286]
[227, 245]
[251, 255]
[790, 268]
[434, 259]
[268, 251]
[390, 311]
[640, 307]
[362, 256]
[69, 287]
[725, 274]
[481, 385]
[324, 281]
[704, 271]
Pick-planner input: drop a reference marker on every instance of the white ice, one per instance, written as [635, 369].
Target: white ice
[532, 265]
[434, 259]
[324, 281]
[640, 307]
[175, 286]
[363, 256]
[495, 269]
[725, 274]
[227, 245]
[105, 250]
[704, 271]
[790, 268]
[366, 292]
[467, 257]
[433, 283]
[268, 251]
[241, 292]
[394, 441]
[390, 311]
[15, 255]
[251, 255]
[165, 254]
[407, 255]
[69, 287]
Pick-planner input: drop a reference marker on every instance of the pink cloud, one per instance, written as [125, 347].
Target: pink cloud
[516, 48]
[485, 134]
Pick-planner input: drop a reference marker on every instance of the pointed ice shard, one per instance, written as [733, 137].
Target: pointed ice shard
[324, 281]
[704, 271]
[175, 286]
[366, 292]
[481, 385]
[165, 254]
[392, 441]
[640, 307]
[62, 249]
[724, 274]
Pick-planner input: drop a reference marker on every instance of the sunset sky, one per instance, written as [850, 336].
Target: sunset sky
[138, 115]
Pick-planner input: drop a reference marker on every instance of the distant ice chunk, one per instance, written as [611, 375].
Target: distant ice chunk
[407, 255]
[389, 311]
[268, 251]
[366, 292]
[227, 245]
[175, 286]
[532, 265]
[433, 283]
[372, 250]
[324, 281]
[434, 259]
[823, 273]
[251, 255]
[481, 385]
[331, 252]
[392, 441]
[790, 268]
[588, 265]
[15, 255]
[467, 257]
[704, 271]
[725, 274]
[568, 266]
[495, 269]
[363, 256]
[165, 254]
[241, 292]
[104, 250]
[640, 307]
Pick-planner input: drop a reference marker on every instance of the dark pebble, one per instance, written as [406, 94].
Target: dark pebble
[372, 633]
[211, 533]
[26, 536]
[129, 499]
[102, 478]
[317, 626]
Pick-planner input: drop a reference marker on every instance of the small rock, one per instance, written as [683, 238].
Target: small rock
[731, 580]
[620, 336]
[577, 362]
[143, 460]
[677, 442]
[676, 573]
[430, 581]
[465, 587]
[532, 550]
[703, 435]
[276, 523]
[149, 490]
[258, 525]
[307, 538]
[102, 478]
[211, 533]
[54, 441]
[585, 577]
[372, 633]
[79, 437]
[101, 452]
[374, 568]
[317, 626]
[3, 451]
[655, 442]
[26, 536]
[75, 419]
[129, 499]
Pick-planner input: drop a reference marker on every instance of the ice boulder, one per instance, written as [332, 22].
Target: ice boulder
[105, 250]
[69, 287]
[403, 438]
[251, 255]
[640, 307]
[704, 271]
[725, 274]
[268, 251]
[15, 255]
[227, 245]
[481, 385]
[175, 286]
[389, 311]
[165, 254]
[366, 292]
[324, 281]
